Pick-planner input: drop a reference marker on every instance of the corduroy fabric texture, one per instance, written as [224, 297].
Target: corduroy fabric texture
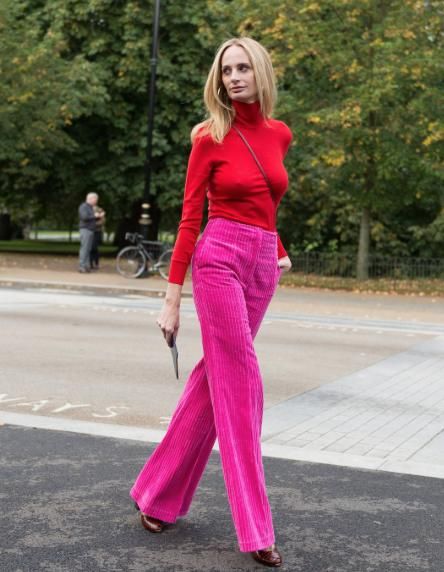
[235, 273]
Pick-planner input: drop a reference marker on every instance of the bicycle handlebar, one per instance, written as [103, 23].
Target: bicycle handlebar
[137, 238]
[133, 236]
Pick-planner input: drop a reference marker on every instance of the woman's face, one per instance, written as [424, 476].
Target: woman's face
[237, 75]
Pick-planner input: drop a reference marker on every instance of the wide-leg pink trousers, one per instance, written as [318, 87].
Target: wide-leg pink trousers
[235, 273]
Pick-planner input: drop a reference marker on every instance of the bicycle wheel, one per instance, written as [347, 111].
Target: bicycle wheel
[131, 262]
[163, 264]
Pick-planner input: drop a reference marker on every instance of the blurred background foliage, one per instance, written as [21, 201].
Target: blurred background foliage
[360, 84]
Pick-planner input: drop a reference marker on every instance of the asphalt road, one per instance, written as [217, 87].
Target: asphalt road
[66, 508]
[103, 358]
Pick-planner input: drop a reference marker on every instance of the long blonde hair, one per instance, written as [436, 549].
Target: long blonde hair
[216, 99]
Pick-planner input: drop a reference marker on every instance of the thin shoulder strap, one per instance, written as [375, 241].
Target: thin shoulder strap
[255, 158]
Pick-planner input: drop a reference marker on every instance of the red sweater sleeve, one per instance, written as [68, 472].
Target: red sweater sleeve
[198, 172]
[287, 139]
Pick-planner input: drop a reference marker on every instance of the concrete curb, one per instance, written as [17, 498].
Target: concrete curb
[92, 288]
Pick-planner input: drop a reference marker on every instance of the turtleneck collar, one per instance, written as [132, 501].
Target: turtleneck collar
[247, 114]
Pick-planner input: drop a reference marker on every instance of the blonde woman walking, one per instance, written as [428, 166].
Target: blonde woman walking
[237, 162]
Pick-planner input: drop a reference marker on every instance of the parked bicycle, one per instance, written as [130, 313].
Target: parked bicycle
[145, 257]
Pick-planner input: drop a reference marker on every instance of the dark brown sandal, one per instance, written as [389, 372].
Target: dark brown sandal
[149, 522]
[152, 524]
[268, 556]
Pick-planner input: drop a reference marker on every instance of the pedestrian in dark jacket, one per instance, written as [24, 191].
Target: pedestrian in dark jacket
[87, 227]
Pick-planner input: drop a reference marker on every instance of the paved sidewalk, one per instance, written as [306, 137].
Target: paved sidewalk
[60, 272]
[66, 508]
[389, 416]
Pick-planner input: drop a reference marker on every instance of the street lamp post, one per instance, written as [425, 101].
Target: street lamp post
[145, 220]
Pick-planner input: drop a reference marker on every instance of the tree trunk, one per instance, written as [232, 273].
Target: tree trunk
[5, 227]
[364, 245]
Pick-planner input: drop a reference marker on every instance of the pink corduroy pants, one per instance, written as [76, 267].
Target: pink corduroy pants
[235, 273]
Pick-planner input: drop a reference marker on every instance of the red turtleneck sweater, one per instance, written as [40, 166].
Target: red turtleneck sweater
[229, 176]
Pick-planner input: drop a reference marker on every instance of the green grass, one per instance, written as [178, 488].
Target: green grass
[49, 247]
[420, 286]
[61, 233]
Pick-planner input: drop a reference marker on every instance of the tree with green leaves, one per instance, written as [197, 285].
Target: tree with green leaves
[85, 67]
[361, 84]
[111, 142]
[41, 96]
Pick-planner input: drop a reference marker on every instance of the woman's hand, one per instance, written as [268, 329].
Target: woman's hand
[284, 263]
[169, 317]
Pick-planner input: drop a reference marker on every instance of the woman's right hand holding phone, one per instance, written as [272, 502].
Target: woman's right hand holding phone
[169, 317]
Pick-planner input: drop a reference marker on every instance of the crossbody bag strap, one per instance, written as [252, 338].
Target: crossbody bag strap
[256, 159]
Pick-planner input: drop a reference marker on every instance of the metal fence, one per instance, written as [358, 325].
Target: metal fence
[343, 265]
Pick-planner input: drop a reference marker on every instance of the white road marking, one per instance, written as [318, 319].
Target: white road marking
[111, 412]
[84, 427]
[35, 405]
[5, 399]
[38, 404]
[69, 406]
